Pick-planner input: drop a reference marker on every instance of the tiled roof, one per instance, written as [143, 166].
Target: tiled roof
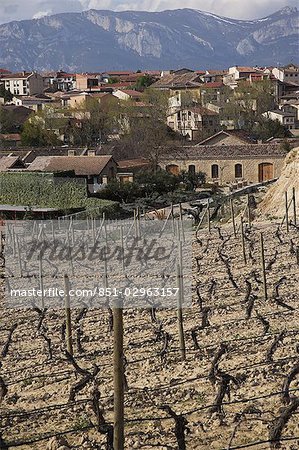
[7, 162]
[119, 72]
[81, 165]
[177, 80]
[227, 152]
[22, 75]
[113, 85]
[240, 134]
[216, 72]
[131, 163]
[213, 84]
[131, 92]
[281, 113]
[4, 71]
[247, 69]
[10, 137]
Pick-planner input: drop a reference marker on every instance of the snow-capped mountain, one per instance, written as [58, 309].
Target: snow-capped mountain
[98, 40]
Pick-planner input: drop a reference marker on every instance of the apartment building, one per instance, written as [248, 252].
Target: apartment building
[24, 83]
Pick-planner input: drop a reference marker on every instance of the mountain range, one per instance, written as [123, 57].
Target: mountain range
[100, 40]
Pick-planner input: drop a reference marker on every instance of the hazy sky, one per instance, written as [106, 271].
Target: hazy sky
[239, 9]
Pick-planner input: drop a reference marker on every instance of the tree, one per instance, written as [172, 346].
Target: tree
[113, 80]
[122, 192]
[245, 105]
[35, 135]
[160, 182]
[7, 122]
[7, 95]
[92, 122]
[144, 81]
[144, 129]
[267, 128]
[192, 180]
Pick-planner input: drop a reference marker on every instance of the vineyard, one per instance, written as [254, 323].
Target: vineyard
[44, 190]
[236, 385]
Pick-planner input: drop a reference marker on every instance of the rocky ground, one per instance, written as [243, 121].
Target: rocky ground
[237, 388]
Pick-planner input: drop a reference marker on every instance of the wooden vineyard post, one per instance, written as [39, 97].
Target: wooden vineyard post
[287, 210]
[180, 313]
[135, 223]
[264, 267]
[232, 211]
[68, 322]
[138, 221]
[297, 256]
[243, 241]
[249, 210]
[294, 206]
[19, 256]
[180, 299]
[172, 217]
[122, 247]
[118, 376]
[209, 218]
[181, 211]
[41, 280]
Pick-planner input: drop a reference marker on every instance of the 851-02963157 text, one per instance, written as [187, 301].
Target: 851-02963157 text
[98, 291]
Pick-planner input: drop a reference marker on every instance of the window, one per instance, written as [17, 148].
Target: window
[238, 171]
[191, 169]
[215, 171]
[173, 168]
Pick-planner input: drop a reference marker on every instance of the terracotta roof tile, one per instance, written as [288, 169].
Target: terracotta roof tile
[81, 165]
[7, 162]
[227, 152]
[131, 163]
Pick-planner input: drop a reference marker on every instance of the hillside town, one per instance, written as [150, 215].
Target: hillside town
[149, 225]
[233, 125]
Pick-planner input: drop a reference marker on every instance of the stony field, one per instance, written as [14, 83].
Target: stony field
[237, 388]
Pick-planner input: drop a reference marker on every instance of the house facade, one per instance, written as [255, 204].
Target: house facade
[24, 83]
[287, 119]
[96, 170]
[289, 73]
[35, 102]
[227, 165]
[194, 122]
[59, 81]
[85, 81]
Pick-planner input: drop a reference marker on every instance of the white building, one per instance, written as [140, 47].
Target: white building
[288, 73]
[24, 83]
[287, 119]
[194, 122]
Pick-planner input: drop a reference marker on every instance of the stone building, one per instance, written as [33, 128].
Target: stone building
[97, 171]
[229, 163]
[229, 137]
